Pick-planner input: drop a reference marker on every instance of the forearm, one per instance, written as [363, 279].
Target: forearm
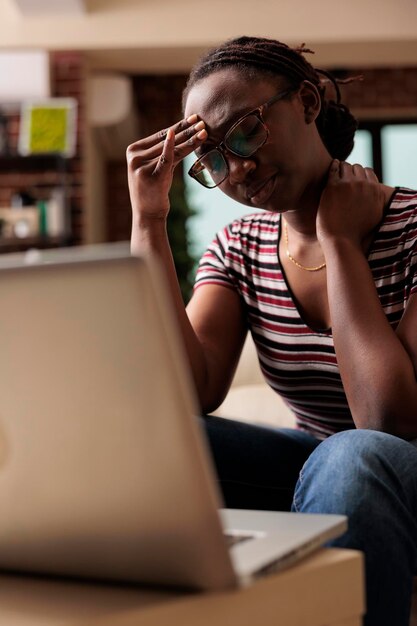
[149, 238]
[376, 370]
[150, 165]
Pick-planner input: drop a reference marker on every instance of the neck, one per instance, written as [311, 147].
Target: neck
[302, 219]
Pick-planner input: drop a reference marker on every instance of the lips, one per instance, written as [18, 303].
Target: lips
[260, 193]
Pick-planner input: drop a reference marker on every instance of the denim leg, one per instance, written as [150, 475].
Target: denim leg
[372, 478]
[257, 466]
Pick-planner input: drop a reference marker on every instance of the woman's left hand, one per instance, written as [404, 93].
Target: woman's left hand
[351, 205]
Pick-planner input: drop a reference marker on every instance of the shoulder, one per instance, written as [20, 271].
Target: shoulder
[401, 212]
[245, 239]
[262, 225]
[403, 199]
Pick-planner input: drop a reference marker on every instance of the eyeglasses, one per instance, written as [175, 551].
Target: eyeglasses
[243, 139]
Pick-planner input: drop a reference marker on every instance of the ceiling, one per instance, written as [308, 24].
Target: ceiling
[169, 35]
[29, 8]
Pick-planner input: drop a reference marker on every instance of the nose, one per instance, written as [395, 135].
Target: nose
[239, 168]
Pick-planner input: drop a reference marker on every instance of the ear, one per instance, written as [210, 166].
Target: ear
[311, 101]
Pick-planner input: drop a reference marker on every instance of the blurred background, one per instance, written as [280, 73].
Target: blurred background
[81, 79]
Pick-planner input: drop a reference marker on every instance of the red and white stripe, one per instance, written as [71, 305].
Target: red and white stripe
[299, 362]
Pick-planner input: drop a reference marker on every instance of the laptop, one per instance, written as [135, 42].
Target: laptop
[104, 471]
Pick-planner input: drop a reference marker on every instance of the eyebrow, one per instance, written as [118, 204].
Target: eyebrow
[227, 125]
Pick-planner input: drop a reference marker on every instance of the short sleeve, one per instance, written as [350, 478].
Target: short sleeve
[413, 270]
[215, 267]
[411, 230]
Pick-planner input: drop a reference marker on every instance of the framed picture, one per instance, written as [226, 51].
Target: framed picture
[48, 127]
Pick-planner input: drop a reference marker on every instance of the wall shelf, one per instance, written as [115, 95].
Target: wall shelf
[14, 244]
[37, 175]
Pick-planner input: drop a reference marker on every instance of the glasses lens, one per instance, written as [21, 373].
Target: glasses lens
[247, 136]
[211, 169]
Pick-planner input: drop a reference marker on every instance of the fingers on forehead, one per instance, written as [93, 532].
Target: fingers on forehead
[185, 145]
[183, 148]
[183, 124]
[160, 136]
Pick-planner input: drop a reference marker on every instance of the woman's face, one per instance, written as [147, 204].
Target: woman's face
[286, 170]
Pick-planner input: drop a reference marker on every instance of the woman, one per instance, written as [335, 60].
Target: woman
[324, 277]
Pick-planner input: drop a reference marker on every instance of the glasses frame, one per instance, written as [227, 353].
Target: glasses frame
[222, 147]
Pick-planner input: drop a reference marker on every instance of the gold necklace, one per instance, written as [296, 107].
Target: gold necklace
[291, 258]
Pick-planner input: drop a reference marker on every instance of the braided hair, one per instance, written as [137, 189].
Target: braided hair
[254, 55]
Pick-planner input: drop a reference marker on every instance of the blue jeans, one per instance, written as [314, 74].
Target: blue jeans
[367, 475]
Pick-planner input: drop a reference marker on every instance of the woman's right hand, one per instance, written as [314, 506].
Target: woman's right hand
[151, 162]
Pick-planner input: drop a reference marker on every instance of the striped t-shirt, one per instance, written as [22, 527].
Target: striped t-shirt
[299, 362]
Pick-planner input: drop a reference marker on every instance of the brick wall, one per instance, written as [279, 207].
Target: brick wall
[68, 71]
[383, 88]
[158, 102]
[67, 80]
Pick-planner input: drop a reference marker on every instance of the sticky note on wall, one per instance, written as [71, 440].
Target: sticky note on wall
[48, 127]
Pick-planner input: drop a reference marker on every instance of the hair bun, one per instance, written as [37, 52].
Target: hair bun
[337, 127]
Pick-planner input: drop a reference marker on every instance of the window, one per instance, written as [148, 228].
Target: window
[362, 152]
[394, 151]
[213, 211]
[399, 154]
